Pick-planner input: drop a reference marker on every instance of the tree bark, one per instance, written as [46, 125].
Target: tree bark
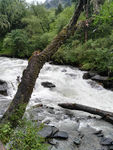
[108, 116]
[2, 146]
[18, 105]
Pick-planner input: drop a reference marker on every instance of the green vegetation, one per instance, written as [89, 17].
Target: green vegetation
[97, 53]
[24, 137]
[27, 28]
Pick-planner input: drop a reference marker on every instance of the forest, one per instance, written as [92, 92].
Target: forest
[26, 28]
[45, 34]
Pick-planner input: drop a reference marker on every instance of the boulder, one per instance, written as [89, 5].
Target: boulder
[88, 75]
[106, 141]
[48, 131]
[3, 88]
[48, 85]
[106, 82]
[61, 135]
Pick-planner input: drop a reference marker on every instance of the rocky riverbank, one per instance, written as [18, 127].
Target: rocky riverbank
[72, 130]
[105, 81]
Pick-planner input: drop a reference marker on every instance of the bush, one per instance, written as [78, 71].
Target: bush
[93, 55]
[24, 137]
[17, 43]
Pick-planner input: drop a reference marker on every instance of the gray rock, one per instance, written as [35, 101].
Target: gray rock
[99, 78]
[111, 148]
[48, 85]
[77, 141]
[64, 70]
[88, 75]
[3, 88]
[61, 135]
[106, 141]
[53, 142]
[48, 131]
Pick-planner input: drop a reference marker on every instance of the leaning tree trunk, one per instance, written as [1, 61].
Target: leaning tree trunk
[18, 105]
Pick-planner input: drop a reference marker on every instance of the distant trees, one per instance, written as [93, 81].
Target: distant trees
[59, 9]
[11, 13]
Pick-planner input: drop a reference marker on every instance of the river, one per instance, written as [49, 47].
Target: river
[70, 87]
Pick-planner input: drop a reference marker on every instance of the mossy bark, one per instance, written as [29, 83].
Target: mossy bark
[18, 105]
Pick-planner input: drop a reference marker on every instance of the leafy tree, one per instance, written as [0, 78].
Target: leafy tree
[17, 42]
[11, 12]
[59, 9]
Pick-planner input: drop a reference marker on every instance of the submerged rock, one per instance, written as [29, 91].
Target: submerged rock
[48, 84]
[106, 141]
[3, 88]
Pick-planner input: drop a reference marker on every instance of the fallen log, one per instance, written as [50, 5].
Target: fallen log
[107, 116]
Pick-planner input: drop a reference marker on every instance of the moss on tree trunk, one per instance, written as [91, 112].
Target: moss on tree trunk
[18, 105]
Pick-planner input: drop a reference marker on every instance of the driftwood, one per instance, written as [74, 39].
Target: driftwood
[18, 105]
[2, 146]
[108, 116]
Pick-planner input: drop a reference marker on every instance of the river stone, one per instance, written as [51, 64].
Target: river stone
[77, 141]
[88, 75]
[53, 142]
[61, 135]
[99, 133]
[111, 148]
[3, 88]
[48, 85]
[106, 141]
[48, 131]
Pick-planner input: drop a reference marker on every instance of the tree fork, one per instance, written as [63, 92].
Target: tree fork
[18, 105]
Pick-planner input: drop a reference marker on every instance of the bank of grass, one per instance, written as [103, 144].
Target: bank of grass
[24, 137]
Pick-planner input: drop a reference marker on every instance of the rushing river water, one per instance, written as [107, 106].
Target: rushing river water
[70, 87]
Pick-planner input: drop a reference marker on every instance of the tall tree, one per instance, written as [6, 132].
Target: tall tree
[18, 105]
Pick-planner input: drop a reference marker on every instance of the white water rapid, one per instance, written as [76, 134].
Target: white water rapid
[70, 87]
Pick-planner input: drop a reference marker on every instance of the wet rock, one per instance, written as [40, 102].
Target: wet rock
[88, 75]
[61, 135]
[50, 110]
[53, 142]
[71, 75]
[64, 70]
[106, 141]
[48, 131]
[46, 121]
[98, 132]
[110, 148]
[37, 106]
[48, 85]
[99, 78]
[3, 88]
[106, 82]
[77, 141]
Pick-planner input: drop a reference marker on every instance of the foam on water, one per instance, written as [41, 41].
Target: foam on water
[70, 87]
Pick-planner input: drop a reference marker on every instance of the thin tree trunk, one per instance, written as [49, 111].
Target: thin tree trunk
[108, 116]
[2, 146]
[18, 105]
